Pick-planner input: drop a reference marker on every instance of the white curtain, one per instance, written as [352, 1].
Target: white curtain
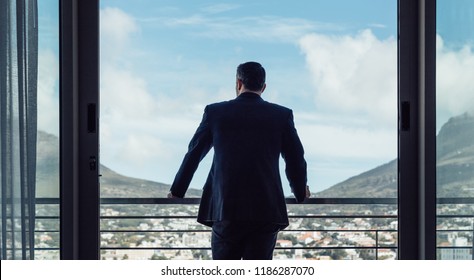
[18, 115]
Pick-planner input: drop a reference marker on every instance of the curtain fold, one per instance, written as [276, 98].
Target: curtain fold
[18, 126]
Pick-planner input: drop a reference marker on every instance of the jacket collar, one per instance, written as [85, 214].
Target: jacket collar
[248, 95]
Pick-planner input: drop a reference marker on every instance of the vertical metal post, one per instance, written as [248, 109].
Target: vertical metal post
[376, 244]
[427, 144]
[417, 129]
[89, 195]
[79, 88]
[408, 150]
[472, 241]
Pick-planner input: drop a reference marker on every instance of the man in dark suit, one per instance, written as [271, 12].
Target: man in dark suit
[243, 199]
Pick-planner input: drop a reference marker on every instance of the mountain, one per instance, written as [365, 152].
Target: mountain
[112, 184]
[47, 165]
[455, 167]
[378, 182]
[455, 171]
[455, 158]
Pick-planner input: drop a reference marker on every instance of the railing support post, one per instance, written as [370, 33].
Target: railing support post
[376, 245]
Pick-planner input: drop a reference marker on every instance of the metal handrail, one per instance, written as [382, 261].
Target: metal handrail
[290, 201]
[197, 200]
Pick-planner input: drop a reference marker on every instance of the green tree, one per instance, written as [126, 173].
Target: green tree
[338, 254]
[307, 255]
[156, 257]
[365, 254]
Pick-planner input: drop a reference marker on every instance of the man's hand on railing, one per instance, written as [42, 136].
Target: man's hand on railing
[308, 192]
[170, 195]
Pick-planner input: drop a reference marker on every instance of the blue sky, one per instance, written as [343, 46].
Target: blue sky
[332, 62]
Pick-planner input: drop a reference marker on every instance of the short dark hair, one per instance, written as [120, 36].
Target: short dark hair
[252, 75]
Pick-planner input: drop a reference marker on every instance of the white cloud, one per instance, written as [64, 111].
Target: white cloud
[333, 141]
[48, 98]
[354, 127]
[191, 20]
[377, 25]
[140, 129]
[262, 28]
[220, 8]
[125, 94]
[353, 75]
[454, 80]
[116, 25]
[140, 149]
[357, 75]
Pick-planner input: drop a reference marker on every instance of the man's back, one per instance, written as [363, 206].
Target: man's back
[248, 135]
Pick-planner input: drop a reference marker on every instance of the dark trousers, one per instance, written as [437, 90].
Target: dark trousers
[235, 241]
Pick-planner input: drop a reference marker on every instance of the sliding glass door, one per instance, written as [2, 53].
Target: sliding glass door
[455, 129]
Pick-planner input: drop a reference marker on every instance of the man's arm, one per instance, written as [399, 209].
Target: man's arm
[293, 154]
[199, 146]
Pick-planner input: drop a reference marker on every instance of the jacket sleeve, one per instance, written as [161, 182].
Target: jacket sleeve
[293, 154]
[199, 146]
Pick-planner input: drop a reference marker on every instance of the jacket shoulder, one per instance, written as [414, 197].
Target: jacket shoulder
[217, 105]
[278, 107]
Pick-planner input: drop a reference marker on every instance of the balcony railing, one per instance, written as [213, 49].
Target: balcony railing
[323, 240]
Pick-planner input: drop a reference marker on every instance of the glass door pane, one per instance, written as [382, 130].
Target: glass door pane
[47, 171]
[455, 128]
[333, 62]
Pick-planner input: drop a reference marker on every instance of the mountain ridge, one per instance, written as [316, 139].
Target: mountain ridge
[454, 175]
[455, 171]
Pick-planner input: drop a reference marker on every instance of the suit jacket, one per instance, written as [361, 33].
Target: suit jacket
[244, 185]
